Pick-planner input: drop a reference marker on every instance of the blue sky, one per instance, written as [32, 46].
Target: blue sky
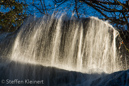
[66, 7]
[85, 10]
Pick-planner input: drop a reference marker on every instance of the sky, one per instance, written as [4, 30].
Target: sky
[67, 7]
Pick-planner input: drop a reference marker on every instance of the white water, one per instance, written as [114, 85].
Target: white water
[85, 46]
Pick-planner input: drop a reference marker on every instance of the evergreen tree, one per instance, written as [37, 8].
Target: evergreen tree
[12, 15]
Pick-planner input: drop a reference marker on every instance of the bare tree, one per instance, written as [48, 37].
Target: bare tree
[116, 11]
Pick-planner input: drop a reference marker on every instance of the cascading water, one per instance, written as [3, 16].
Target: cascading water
[49, 47]
[62, 43]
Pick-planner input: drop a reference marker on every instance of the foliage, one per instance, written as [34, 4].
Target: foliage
[116, 11]
[12, 15]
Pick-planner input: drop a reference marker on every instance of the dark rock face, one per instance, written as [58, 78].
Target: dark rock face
[115, 79]
[57, 77]
[125, 36]
[123, 48]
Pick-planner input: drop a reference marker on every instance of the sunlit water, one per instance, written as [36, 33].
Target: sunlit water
[80, 45]
[71, 45]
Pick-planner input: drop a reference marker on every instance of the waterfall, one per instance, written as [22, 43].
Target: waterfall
[61, 51]
[78, 45]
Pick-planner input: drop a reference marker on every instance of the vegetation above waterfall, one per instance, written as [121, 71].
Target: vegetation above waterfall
[12, 15]
[116, 11]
